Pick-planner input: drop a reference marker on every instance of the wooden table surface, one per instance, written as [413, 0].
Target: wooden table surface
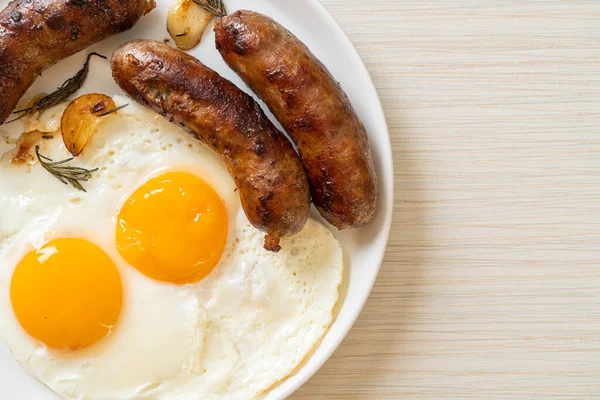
[491, 284]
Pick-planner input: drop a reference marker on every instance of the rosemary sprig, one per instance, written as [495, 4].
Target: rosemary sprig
[64, 173]
[112, 110]
[215, 7]
[61, 94]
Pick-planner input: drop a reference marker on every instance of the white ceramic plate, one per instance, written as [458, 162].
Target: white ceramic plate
[364, 248]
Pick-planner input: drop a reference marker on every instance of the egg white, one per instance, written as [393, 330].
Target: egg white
[233, 335]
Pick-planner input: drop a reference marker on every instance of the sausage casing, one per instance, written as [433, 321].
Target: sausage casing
[313, 109]
[35, 34]
[271, 181]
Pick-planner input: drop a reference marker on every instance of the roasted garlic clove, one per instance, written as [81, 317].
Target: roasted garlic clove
[186, 23]
[81, 118]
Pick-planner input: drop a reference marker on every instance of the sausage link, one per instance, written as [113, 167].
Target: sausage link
[271, 181]
[35, 34]
[313, 109]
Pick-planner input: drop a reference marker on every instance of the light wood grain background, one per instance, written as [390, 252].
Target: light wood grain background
[491, 284]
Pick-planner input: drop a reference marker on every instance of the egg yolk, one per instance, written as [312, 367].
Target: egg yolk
[173, 228]
[67, 294]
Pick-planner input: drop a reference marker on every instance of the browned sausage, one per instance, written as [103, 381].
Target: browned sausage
[270, 178]
[313, 109]
[34, 34]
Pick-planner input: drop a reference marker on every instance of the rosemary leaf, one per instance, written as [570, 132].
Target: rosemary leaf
[61, 94]
[64, 173]
[112, 110]
[215, 7]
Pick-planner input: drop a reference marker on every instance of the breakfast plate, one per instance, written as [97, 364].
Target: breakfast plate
[363, 248]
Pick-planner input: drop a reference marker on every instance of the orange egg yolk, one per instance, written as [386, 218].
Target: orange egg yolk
[67, 294]
[173, 228]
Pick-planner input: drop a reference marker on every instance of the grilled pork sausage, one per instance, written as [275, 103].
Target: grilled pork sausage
[34, 34]
[313, 109]
[271, 181]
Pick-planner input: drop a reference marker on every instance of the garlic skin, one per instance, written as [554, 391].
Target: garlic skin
[186, 23]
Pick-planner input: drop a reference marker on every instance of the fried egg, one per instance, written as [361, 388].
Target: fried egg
[152, 284]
